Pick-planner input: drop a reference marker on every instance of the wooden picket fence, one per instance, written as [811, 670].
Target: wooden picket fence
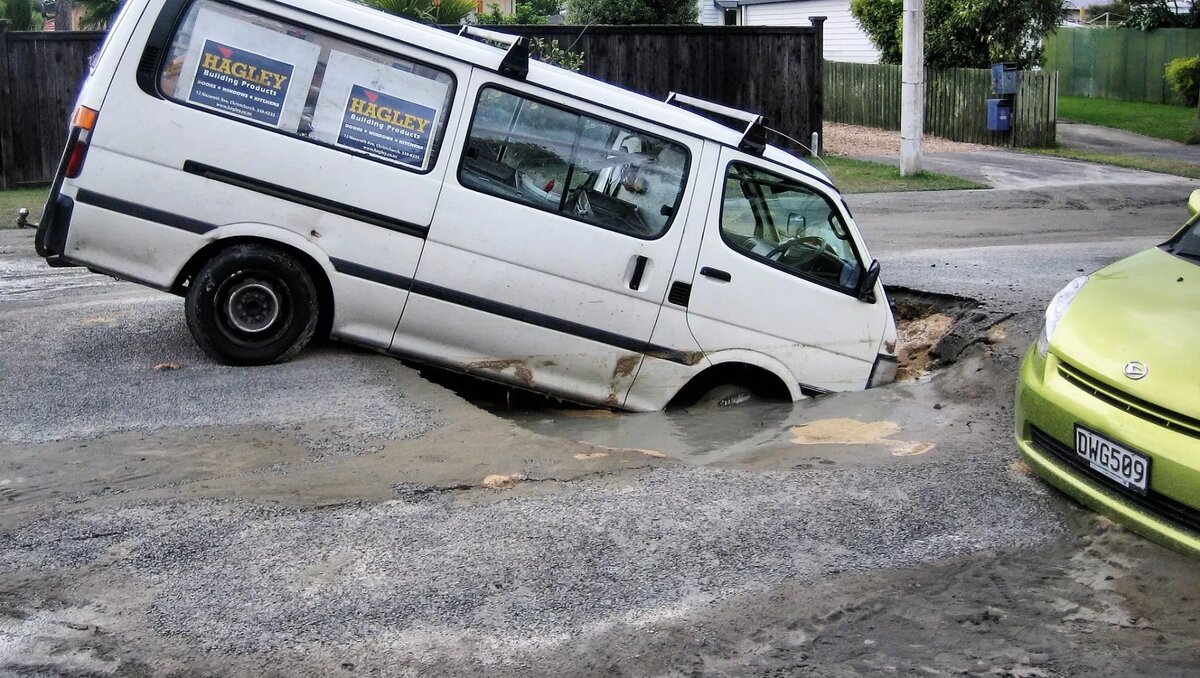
[955, 102]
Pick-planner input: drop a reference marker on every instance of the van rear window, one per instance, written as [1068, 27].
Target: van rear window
[267, 72]
[562, 161]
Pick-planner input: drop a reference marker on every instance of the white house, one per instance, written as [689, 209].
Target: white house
[844, 40]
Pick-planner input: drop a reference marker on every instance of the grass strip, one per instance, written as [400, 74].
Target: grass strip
[1162, 121]
[863, 176]
[11, 201]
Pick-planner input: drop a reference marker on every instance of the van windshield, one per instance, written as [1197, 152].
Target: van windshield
[1187, 243]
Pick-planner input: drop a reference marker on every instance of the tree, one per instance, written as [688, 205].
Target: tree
[964, 33]
[1150, 14]
[623, 12]
[426, 11]
[525, 14]
[19, 14]
[97, 13]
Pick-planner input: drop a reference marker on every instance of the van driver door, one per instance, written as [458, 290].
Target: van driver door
[778, 272]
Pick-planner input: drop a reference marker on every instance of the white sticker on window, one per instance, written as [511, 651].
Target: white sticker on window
[378, 110]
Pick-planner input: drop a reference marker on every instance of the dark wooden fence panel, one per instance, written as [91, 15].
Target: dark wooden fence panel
[955, 102]
[40, 75]
[773, 70]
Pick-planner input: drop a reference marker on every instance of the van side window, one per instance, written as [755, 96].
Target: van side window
[562, 161]
[787, 225]
[266, 72]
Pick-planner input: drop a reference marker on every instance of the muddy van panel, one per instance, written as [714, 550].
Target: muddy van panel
[279, 162]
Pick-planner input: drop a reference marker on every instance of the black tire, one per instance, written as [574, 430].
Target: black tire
[252, 305]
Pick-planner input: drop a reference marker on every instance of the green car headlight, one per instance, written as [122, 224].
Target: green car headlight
[1055, 312]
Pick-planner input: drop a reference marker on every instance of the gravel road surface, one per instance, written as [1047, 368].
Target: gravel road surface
[342, 514]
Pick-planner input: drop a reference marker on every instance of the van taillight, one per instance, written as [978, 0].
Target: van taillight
[75, 163]
[84, 122]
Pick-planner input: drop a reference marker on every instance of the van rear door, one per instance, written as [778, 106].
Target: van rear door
[777, 274]
[549, 255]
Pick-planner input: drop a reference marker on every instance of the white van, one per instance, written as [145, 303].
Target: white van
[301, 166]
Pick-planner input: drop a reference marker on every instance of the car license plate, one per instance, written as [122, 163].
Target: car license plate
[1126, 467]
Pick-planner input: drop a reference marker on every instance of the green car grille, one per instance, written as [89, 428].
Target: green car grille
[1178, 513]
[1161, 416]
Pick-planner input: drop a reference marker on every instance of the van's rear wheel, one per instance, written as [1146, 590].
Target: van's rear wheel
[252, 305]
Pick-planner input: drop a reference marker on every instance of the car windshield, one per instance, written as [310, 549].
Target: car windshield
[1187, 243]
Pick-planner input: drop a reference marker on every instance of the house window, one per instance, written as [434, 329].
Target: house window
[731, 17]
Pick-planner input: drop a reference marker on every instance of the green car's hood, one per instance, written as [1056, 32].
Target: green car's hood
[1139, 309]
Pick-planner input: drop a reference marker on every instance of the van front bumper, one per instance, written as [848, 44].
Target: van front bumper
[1048, 407]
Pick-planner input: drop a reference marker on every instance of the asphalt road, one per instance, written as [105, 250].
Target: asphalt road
[344, 515]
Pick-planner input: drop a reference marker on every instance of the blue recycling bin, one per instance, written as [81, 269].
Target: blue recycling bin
[999, 115]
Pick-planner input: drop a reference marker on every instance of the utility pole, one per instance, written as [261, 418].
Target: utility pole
[912, 104]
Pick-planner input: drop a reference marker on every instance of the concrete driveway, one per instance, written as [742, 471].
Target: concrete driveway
[1118, 141]
[1005, 169]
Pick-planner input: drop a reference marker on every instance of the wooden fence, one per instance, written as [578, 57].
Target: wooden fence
[773, 70]
[1119, 63]
[955, 102]
[40, 74]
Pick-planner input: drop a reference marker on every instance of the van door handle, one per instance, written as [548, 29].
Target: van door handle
[716, 273]
[639, 268]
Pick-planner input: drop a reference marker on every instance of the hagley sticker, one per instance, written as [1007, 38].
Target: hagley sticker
[385, 126]
[240, 82]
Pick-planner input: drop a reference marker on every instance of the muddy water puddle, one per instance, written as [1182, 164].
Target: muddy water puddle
[848, 427]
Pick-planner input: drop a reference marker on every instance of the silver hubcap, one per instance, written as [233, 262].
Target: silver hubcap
[253, 307]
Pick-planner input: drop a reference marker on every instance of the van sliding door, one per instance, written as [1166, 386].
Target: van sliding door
[549, 254]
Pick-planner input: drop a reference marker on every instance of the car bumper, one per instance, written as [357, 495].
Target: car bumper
[1048, 407]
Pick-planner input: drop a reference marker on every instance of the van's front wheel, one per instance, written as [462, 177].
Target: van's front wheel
[252, 305]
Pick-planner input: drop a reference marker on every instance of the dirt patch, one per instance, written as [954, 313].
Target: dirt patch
[855, 432]
[933, 330]
[917, 338]
[854, 140]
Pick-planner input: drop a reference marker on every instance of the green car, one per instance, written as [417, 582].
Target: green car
[1108, 401]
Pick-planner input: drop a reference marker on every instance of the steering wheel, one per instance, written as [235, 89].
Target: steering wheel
[814, 243]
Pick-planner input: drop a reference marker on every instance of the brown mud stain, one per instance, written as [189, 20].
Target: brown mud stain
[168, 366]
[688, 357]
[589, 414]
[520, 369]
[917, 338]
[1020, 466]
[503, 481]
[588, 456]
[625, 366]
[854, 432]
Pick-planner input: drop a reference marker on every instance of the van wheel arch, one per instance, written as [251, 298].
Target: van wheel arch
[759, 381]
[315, 271]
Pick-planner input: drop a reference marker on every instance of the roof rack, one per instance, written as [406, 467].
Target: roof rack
[754, 137]
[515, 63]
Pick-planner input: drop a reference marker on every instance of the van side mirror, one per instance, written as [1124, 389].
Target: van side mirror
[866, 284]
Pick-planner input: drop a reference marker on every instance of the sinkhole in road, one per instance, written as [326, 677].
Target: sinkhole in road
[933, 330]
